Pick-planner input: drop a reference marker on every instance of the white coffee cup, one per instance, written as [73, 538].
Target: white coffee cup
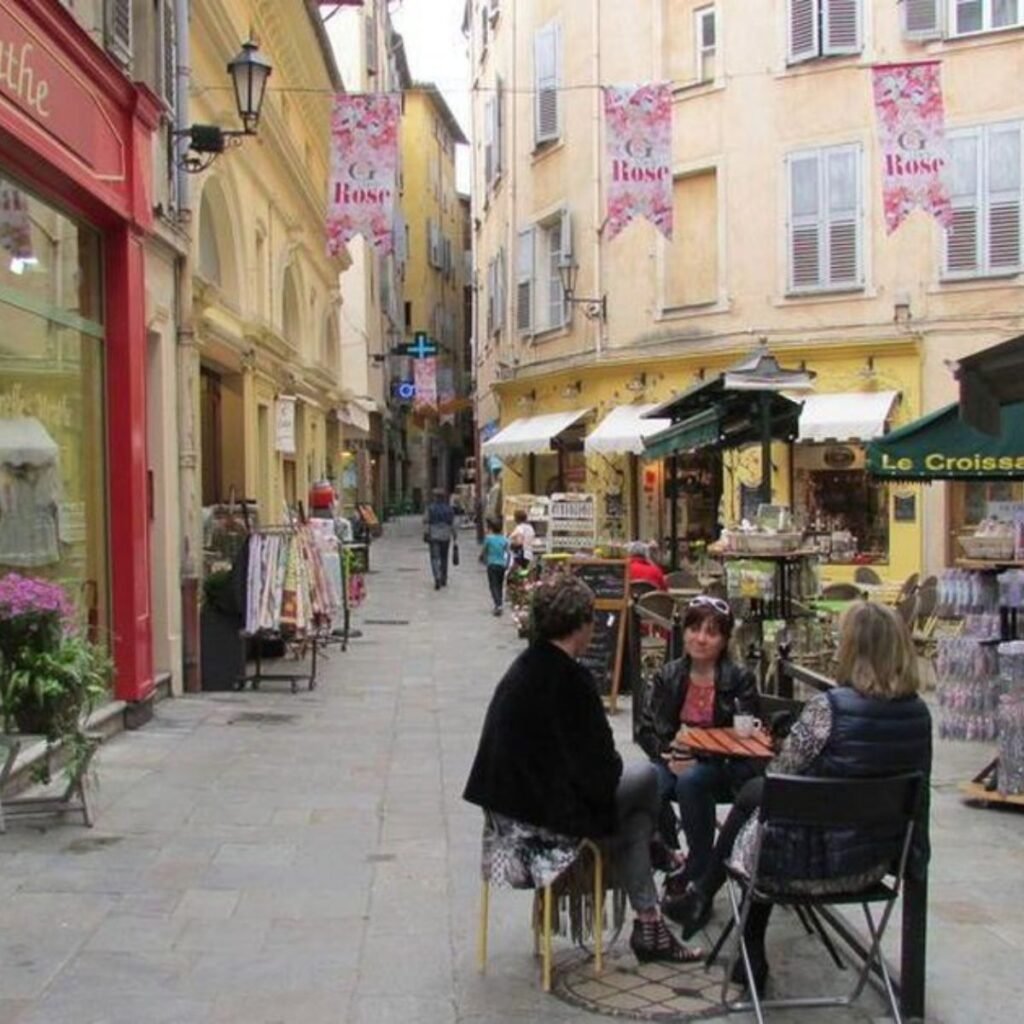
[746, 725]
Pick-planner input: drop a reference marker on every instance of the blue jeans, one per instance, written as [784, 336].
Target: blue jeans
[439, 561]
[697, 790]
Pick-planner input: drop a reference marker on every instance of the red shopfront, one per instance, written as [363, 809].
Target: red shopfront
[75, 204]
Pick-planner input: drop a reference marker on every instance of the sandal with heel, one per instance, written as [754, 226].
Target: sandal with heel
[652, 941]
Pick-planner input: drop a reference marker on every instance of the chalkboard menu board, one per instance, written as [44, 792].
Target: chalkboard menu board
[603, 656]
[605, 577]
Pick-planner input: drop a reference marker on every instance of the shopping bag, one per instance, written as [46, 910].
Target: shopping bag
[455, 553]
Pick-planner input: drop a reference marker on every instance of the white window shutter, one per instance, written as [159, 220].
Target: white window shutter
[803, 30]
[499, 126]
[499, 287]
[524, 281]
[843, 191]
[841, 29]
[565, 256]
[962, 236]
[488, 142]
[1003, 186]
[168, 54]
[371, 44]
[805, 221]
[118, 30]
[546, 61]
[922, 19]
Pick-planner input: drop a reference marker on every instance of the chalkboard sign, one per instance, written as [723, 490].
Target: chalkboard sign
[604, 655]
[605, 577]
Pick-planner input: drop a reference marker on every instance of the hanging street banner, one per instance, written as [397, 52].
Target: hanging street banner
[445, 393]
[912, 138]
[638, 123]
[364, 162]
[284, 428]
[425, 379]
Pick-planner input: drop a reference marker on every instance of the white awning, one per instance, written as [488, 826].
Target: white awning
[845, 416]
[531, 435]
[623, 430]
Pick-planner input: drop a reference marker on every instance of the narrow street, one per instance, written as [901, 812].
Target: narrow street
[271, 858]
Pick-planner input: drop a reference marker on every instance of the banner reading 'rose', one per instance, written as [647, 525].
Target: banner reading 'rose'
[911, 133]
[424, 373]
[638, 121]
[364, 161]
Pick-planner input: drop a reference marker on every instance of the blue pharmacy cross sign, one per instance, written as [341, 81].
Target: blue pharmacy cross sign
[421, 347]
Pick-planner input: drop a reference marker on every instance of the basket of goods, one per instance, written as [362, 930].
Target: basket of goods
[992, 541]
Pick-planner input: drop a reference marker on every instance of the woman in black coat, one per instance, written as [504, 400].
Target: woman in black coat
[547, 762]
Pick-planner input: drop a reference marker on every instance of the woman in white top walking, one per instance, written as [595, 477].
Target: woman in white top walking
[521, 540]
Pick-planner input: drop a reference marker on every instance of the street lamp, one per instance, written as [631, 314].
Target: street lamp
[249, 73]
[593, 309]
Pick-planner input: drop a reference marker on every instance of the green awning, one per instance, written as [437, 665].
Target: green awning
[940, 446]
[696, 432]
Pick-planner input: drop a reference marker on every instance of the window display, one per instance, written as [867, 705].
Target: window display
[53, 520]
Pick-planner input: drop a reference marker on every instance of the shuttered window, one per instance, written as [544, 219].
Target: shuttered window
[371, 44]
[547, 74]
[824, 28]
[986, 186]
[922, 19]
[524, 281]
[118, 30]
[167, 53]
[825, 226]
[540, 299]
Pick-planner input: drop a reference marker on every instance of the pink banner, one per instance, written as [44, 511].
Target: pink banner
[424, 373]
[445, 393]
[364, 161]
[638, 121]
[911, 135]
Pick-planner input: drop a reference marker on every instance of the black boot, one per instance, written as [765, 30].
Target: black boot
[692, 910]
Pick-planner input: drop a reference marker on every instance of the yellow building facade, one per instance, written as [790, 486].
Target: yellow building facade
[435, 278]
[266, 300]
[779, 235]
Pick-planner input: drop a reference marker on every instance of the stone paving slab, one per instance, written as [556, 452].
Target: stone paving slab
[269, 858]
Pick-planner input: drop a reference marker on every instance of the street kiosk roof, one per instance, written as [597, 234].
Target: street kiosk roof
[940, 446]
[988, 379]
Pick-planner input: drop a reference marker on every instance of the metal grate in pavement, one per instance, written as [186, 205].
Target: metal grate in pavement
[262, 718]
[385, 622]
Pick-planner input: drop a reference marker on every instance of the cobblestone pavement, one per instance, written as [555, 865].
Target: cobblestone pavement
[271, 858]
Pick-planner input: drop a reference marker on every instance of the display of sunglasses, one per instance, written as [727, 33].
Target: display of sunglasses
[705, 600]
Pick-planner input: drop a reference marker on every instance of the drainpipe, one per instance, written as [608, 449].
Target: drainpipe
[188, 383]
[595, 135]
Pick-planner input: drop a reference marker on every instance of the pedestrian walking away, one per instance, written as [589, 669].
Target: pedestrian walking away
[438, 531]
[494, 555]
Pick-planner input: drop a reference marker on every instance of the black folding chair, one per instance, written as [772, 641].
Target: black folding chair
[882, 809]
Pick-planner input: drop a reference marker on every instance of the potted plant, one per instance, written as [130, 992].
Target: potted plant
[51, 674]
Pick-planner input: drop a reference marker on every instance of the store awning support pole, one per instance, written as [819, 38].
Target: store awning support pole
[673, 511]
[766, 447]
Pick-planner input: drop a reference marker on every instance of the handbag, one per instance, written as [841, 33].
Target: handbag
[455, 553]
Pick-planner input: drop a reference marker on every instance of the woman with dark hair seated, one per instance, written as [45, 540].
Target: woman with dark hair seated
[873, 724]
[702, 688]
[547, 772]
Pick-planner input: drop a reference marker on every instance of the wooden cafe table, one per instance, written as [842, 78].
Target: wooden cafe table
[724, 742]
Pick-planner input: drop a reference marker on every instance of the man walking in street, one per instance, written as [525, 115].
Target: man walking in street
[439, 528]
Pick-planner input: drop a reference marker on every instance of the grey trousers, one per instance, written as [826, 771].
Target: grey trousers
[637, 802]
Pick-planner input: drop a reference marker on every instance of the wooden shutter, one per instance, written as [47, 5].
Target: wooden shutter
[499, 127]
[841, 26]
[842, 189]
[803, 30]
[1003, 195]
[805, 217]
[546, 61]
[118, 30]
[524, 281]
[922, 19]
[488, 142]
[962, 235]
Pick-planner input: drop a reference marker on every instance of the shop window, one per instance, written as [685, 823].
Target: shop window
[825, 219]
[823, 28]
[691, 258]
[53, 469]
[845, 511]
[987, 191]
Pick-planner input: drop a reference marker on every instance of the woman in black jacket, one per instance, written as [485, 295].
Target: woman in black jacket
[872, 725]
[703, 688]
[547, 764]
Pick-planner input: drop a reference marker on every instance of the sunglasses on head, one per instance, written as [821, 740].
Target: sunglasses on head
[706, 601]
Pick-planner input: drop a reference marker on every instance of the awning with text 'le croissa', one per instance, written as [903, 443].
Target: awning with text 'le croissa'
[623, 430]
[940, 446]
[531, 435]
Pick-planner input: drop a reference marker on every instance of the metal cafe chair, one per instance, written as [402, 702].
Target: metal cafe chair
[865, 574]
[882, 808]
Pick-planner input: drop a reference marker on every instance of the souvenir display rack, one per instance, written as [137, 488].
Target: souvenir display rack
[572, 523]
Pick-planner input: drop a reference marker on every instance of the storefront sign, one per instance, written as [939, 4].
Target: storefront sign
[39, 84]
[911, 134]
[939, 463]
[839, 457]
[904, 508]
[364, 162]
[284, 436]
[639, 156]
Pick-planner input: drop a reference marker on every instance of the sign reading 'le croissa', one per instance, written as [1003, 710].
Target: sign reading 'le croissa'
[39, 84]
[937, 462]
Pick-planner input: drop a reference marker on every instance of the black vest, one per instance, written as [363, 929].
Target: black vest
[870, 737]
